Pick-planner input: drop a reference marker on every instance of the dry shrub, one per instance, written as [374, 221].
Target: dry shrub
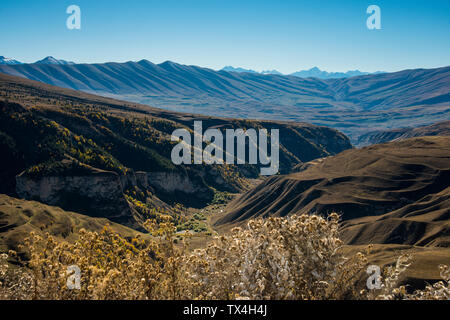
[438, 291]
[111, 267]
[277, 258]
[391, 291]
[299, 257]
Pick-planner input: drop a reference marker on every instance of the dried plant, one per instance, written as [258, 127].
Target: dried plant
[438, 291]
[277, 258]
[298, 257]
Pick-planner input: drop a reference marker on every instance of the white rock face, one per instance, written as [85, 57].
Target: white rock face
[142, 179]
[128, 180]
[98, 194]
[101, 194]
[171, 182]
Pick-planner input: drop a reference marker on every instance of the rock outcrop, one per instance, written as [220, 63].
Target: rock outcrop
[171, 182]
[99, 194]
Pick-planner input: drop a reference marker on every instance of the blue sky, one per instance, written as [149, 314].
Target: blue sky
[282, 34]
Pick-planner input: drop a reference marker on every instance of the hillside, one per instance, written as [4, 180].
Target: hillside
[20, 217]
[353, 105]
[109, 158]
[436, 129]
[422, 223]
[393, 193]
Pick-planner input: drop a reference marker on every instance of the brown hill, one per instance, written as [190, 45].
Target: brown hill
[20, 217]
[389, 193]
[425, 222]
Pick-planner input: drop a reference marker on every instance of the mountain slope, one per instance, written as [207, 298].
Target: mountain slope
[440, 128]
[20, 217]
[398, 190]
[353, 105]
[425, 222]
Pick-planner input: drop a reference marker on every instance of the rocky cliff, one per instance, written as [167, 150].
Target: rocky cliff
[99, 194]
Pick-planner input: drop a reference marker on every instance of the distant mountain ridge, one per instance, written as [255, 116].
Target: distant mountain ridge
[51, 60]
[354, 105]
[314, 72]
[4, 60]
[238, 69]
[46, 60]
[317, 73]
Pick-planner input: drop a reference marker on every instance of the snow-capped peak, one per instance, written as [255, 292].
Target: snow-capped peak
[52, 60]
[4, 60]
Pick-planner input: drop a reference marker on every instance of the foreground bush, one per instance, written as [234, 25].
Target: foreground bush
[276, 258]
[299, 257]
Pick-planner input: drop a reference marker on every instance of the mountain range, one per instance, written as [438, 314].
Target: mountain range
[4, 60]
[355, 105]
[311, 73]
[314, 72]
[232, 69]
[46, 60]
[51, 60]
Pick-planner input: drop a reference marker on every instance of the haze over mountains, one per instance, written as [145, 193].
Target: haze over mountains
[314, 72]
[354, 105]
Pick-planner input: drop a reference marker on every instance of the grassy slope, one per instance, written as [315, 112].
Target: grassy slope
[20, 217]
